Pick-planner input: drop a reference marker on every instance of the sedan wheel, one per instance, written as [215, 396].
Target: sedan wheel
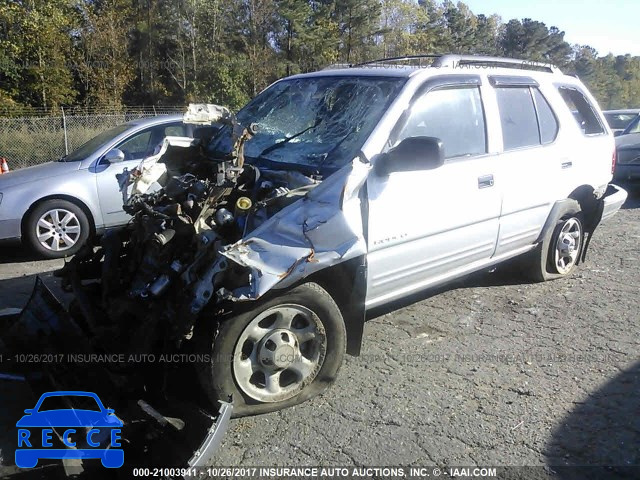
[56, 228]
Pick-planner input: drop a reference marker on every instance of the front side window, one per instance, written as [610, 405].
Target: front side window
[582, 110]
[454, 115]
[518, 117]
[143, 143]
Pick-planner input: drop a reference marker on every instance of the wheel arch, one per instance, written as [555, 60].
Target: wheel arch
[585, 196]
[76, 201]
[346, 282]
[591, 208]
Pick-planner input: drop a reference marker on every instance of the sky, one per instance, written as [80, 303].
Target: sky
[607, 26]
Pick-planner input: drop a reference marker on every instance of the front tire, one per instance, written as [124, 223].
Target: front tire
[56, 229]
[276, 354]
[557, 255]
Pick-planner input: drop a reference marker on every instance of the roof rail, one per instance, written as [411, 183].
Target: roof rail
[337, 66]
[406, 58]
[456, 61]
[485, 61]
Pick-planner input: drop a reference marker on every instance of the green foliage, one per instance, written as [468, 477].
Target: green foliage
[116, 52]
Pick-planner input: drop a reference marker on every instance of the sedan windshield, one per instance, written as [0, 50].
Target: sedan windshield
[313, 121]
[96, 142]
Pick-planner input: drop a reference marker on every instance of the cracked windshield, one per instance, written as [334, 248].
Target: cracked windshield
[313, 121]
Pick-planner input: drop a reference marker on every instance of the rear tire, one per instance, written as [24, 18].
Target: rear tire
[56, 228]
[276, 354]
[558, 253]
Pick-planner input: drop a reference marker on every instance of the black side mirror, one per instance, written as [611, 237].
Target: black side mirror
[410, 155]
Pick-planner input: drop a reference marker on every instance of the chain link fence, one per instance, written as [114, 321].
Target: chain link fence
[39, 137]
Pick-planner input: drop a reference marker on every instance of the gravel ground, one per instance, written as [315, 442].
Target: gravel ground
[490, 371]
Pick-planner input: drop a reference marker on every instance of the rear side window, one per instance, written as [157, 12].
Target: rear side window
[454, 115]
[583, 112]
[518, 117]
[546, 119]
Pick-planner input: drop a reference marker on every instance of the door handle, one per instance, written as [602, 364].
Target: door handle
[567, 164]
[485, 181]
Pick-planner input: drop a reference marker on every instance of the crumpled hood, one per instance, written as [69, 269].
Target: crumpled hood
[35, 173]
[320, 230]
[631, 140]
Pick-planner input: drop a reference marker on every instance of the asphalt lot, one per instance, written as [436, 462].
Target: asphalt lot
[490, 371]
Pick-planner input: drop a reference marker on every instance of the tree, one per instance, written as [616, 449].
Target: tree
[359, 24]
[107, 69]
[118, 52]
[38, 51]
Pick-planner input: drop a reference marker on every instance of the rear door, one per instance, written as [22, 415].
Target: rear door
[425, 226]
[533, 167]
[135, 148]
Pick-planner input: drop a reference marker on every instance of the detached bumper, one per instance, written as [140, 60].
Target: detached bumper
[613, 199]
[214, 437]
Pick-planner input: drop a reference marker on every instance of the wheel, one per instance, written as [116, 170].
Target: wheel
[278, 353]
[557, 255]
[56, 228]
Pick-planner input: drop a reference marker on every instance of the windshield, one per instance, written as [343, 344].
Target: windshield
[96, 142]
[313, 121]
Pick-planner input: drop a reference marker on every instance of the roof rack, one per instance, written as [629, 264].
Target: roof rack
[486, 61]
[405, 58]
[454, 60]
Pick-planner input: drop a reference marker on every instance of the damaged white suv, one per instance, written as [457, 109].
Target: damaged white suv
[335, 192]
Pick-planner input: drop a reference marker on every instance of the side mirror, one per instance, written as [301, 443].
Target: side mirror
[618, 133]
[114, 156]
[410, 155]
[29, 411]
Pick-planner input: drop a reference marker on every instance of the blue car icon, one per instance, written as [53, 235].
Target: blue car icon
[90, 420]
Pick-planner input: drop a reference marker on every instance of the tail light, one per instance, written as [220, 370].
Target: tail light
[613, 161]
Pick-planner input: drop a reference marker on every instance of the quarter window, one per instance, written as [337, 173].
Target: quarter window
[546, 119]
[582, 110]
[455, 116]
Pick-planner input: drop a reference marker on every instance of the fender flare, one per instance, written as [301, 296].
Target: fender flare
[591, 222]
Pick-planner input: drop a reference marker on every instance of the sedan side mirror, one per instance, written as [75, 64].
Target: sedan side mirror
[114, 156]
[412, 154]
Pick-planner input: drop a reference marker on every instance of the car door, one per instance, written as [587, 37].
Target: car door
[426, 226]
[135, 148]
[531, 169]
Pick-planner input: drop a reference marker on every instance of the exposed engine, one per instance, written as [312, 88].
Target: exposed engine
[146, 285]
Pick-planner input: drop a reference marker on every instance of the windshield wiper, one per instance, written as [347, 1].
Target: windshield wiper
[288, 139]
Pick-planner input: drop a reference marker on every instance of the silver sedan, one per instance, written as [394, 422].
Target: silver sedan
[55, 207]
